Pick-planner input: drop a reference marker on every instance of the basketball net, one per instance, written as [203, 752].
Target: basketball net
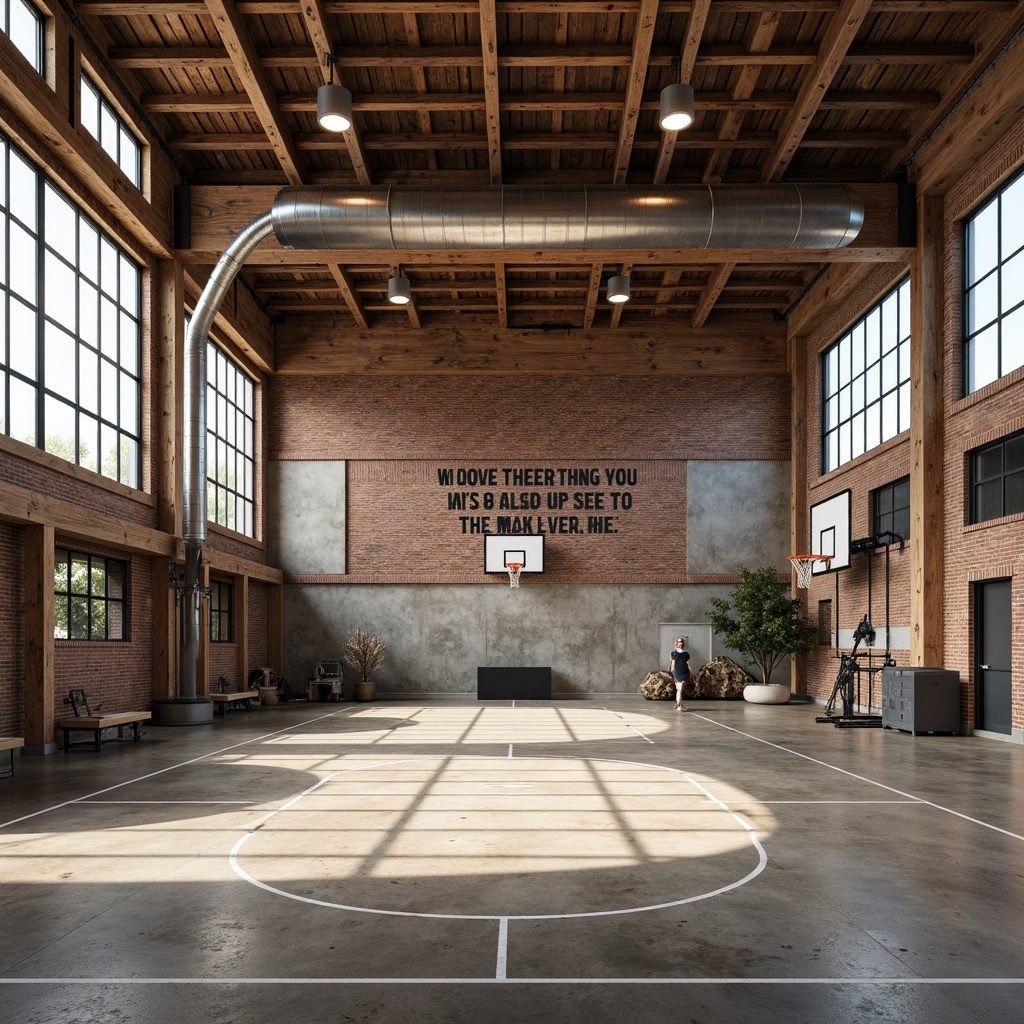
[514, 569]
[804, 566]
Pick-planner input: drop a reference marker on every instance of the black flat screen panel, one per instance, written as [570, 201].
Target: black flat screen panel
[513, 683]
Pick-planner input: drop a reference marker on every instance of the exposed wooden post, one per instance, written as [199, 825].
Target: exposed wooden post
[39, 646]
[165, 630]
[797, 359]
[926, 434]
[241, 630]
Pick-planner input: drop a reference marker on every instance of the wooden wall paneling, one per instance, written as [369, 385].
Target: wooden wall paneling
[736, 344]
[169, 344]
[926, 438]
[39, 642]
[165, 631]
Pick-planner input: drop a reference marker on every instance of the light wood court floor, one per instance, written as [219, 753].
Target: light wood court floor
[499, 861]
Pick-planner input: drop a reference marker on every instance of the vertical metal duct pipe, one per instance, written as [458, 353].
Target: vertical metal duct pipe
[411, 218]
[194, 485]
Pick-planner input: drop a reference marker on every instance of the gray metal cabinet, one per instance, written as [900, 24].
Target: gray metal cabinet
[916, 699]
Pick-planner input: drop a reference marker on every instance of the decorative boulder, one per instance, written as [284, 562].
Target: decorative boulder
[658, 686]
[722, 679]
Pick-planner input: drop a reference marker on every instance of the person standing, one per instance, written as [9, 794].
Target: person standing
[681, 669]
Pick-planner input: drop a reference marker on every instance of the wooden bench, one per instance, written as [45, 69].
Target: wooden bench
[227, 700]
[10, 743]
[97, 723]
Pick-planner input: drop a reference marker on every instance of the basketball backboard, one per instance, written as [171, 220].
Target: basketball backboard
[501, 550]
[830, 531]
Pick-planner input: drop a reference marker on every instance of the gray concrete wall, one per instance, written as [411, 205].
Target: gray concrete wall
[306, 520]
[737, 513]
[596, 638]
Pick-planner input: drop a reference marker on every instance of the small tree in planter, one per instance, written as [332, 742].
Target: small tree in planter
[761, 620]
[365, 653]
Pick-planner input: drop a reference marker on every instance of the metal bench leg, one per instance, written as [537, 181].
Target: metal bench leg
[99, 739]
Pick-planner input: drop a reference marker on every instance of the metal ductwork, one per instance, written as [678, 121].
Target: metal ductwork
[599, 217]
[415, 218]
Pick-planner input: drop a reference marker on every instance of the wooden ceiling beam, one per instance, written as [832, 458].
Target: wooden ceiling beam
[419, 78]
[343, 279]
[687, 61]
[492, 109]
[314, 17]
[247, 65]
[593, 294]
[501, 294]
[709, 296]
[643, 37]
[838, 39]
[717, 55]
[561, 38]
[617, 307]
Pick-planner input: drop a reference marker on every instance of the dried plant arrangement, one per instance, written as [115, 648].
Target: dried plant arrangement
[364, 652]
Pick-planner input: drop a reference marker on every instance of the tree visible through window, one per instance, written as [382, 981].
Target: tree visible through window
[89, 593]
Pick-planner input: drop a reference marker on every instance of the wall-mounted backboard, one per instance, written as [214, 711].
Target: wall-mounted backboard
[830, 532]
[500, 550]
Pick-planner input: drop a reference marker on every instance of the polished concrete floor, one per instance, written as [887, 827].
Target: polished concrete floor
[496, 862]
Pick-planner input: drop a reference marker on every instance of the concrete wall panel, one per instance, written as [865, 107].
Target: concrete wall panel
[306, 521]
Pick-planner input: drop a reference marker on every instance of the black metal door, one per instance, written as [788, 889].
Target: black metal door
[992, 653]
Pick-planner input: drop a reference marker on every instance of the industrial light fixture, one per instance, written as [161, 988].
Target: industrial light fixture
[676, 104]
[333, 103]
[399, 289]
[618, 288]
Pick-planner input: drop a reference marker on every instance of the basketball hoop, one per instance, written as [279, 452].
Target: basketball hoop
[514, 569]
[804, 564]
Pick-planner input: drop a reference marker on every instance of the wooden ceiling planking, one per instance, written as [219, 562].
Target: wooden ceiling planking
[552, 92]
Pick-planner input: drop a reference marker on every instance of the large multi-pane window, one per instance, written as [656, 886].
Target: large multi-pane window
[220, 611]
[230, 447]
[994, 288]
[89, 594]
[997, 479]
[105, 125]
[866, 381]
[892, 508]
[70, 332]
[22, 23]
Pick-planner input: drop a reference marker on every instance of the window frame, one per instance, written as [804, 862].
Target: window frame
[230, 404]
[130, 165]
[93, 564]
[79, 385]
[222, 611]
[995, 276]
[865, 381]
[878, 518]
[37, 59]
[975, 484]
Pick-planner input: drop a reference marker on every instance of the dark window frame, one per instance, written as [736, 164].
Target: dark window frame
[865, 381]
[38, 58]
[991, 289]
[886, 516]
[222, 612]
[75, 604]
[79, 384]
[129, 162]
[992, 480]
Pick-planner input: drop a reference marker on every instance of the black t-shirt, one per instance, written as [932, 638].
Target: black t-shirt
[680, 664]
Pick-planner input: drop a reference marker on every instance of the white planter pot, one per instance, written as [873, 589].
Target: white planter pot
[773, 693]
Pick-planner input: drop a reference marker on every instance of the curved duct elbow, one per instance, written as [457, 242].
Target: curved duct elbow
[602, 217]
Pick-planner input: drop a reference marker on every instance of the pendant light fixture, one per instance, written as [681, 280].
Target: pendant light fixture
[676, 103]
[333, 103]
[399, 289]
[618, 288]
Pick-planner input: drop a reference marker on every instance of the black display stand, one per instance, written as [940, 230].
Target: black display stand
[513, 683]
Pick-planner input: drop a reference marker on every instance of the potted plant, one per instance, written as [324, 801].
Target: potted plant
[365, 653]
[761, 621]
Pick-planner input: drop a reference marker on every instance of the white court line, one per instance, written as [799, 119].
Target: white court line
[172, 767]
[857, 982]
[244, 803]
[899, 803]
[762, 856]
[510, 750]
[862, 778]
[501, 971]
[628, 726]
